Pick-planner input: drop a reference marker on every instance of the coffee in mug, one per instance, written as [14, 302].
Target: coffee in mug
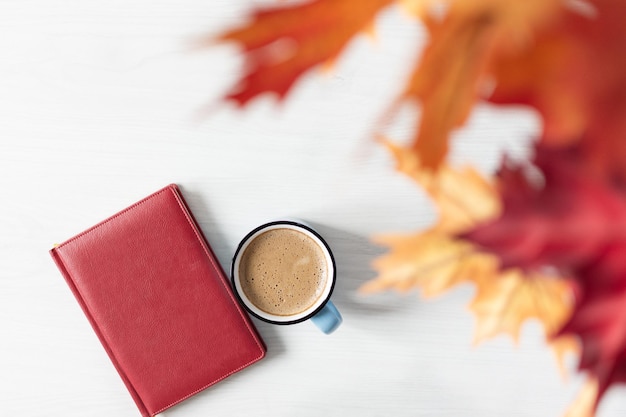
[284, 272]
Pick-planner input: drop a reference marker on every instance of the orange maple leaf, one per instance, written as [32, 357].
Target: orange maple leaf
[434, 260]
[453, 72]
[445, 84]
[284, 42]
[574, 74]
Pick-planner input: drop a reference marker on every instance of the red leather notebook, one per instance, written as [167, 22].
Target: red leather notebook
[158, 300]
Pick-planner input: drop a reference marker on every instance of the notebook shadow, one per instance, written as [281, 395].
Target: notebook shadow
[219, 244]
[209, 225]
[269, 333]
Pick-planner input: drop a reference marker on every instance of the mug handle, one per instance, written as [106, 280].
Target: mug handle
[328, 318]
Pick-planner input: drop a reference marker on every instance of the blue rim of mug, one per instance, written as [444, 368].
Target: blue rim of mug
[289, 223]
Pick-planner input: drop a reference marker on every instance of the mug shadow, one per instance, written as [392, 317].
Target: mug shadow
[354, 255]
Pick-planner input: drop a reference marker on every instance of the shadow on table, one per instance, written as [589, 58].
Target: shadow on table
[354, 254]
[275, 346]
[213, 233]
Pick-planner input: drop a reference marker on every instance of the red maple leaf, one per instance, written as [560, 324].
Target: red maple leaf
[560, 216]
[282, 43]
[555, 215]
[599, 319]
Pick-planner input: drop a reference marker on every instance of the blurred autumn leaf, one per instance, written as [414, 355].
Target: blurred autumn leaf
[284, 42]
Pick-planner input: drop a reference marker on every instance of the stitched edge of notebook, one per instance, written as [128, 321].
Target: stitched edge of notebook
[234, 371]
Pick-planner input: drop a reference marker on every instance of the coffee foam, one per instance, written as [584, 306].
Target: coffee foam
[283, 271]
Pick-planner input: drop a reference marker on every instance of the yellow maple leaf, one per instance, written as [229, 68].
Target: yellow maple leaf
[462, 197]
[503, 302]
[435, 260]
[431, 261]
[585, 404]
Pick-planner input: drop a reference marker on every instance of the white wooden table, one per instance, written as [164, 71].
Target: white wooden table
[98, 108]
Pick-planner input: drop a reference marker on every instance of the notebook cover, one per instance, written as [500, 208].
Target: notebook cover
[159, 301]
